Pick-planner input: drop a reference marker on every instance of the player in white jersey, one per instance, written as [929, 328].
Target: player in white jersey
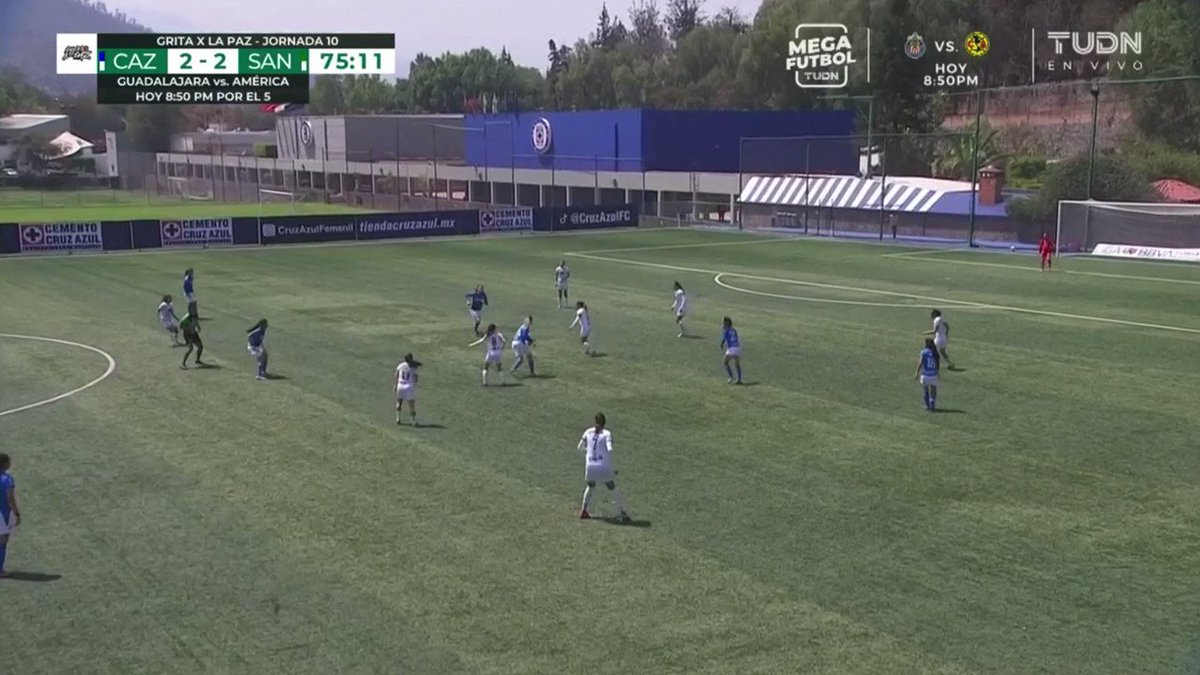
[405, 384]
[941, 336]
[562, 277]
[494, 354]
[170, 322]
[597, 446]
[584, 321]
[680, 306]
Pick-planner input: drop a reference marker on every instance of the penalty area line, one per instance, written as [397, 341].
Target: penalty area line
[112, 366]
[960, 303]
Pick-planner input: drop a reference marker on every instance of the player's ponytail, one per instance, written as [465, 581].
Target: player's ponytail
[262, 323]
[491, 328]
[600, 421]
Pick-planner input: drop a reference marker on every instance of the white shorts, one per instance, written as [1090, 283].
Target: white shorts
[190, 296]
[734, 351]
[474, 314]
[521, 348]
[598, 473]
[680, 315]
[585, 334]
[493, 357]
[169, 326]
[940, 342]
[6, 527]
[256, 352]
[562, 286]
[406, 394]
[929, 380]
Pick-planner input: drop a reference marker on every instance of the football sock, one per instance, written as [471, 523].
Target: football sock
[485, 377]
[729, 371]
[925, 392]
[587, 498]
[618, 500]
[739, 368]
[932, 399]
[3, 553]
[518, 362]
[531, 366]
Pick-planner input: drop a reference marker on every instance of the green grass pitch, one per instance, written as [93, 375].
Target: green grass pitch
[26, 206]
[819, 521]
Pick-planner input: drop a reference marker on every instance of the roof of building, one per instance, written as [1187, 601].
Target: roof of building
[22, 122]
[903, 194]
[68, 145]
[1177, 191]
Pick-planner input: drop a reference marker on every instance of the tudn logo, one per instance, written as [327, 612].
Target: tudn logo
[914, 46]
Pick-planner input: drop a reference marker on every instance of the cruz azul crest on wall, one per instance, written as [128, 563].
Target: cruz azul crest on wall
[542, 137]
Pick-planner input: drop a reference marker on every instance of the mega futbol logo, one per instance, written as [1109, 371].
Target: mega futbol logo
[820, 55]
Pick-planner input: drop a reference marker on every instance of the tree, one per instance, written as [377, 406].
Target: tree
[32, 150]
[730, 18]
[609, 33]
[1114, 178]
[150, 126]
[958, 158]
[327, 96]
[682, 17]
[646, 29]
[368, 94]
[1168, 111]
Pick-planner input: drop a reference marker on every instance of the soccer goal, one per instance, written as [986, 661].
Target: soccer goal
[198, 189]
[267, 196]
[1131, 230]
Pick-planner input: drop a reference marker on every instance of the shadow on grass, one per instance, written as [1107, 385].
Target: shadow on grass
[506, 384]
[598, 355]
[539, 376]
[273, 376]
[613, 520]
[748, 384]
[429, 426]
[693, 337]
[952, 411]
[35, 577]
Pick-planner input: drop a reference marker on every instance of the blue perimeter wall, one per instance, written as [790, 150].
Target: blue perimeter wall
[667, 140]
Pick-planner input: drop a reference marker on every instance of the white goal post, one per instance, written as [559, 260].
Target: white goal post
[268, 196]
[199, 189]
[1129, 229]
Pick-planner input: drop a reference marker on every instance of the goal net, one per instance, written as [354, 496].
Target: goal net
[291, 198]
[1141, 230]
[198, 189]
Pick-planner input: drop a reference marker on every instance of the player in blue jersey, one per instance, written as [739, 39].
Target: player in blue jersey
[10, 514]
[189, 291]
[257, 346]
[733, 350]
[522, 345]
[927, 373]
[476, 301]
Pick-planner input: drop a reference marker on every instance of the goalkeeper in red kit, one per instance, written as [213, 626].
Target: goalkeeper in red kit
[1046, 251]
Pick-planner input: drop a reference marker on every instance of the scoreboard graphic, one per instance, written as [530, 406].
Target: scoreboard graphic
[219, 68]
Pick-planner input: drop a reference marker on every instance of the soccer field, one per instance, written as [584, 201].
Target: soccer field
[28, 206]
[818, 520]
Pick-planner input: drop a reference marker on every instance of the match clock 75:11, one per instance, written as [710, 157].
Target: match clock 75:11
[352, 61]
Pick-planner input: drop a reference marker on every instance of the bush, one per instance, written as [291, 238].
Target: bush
[1026, 172]
[1115, 179]
[1160, 160]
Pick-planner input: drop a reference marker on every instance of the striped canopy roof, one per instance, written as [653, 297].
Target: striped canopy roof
[842, 192]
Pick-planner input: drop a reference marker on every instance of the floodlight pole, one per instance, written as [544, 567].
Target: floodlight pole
[1092, 150]
[975, 166]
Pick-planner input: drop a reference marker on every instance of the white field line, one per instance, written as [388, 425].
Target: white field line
[112, 365]
[924, 256]
[831, 301]
[966, 303]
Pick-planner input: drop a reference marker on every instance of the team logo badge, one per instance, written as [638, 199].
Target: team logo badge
[172, 230]
[542, 138]
[306, 133]
[977, 43]
[914, 46]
